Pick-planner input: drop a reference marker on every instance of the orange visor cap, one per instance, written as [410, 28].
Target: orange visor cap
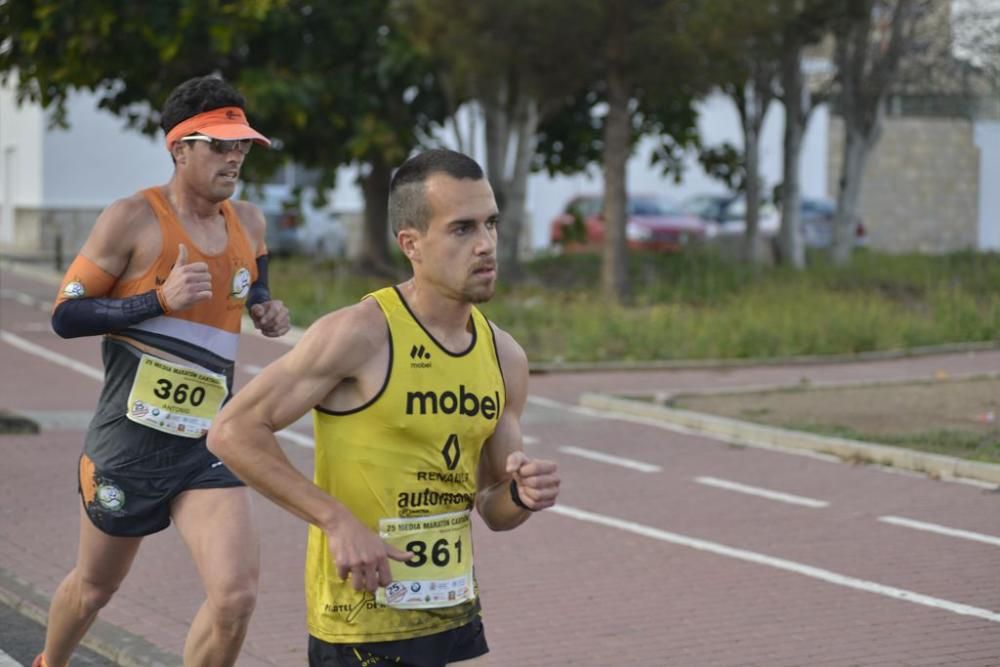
[224, 123]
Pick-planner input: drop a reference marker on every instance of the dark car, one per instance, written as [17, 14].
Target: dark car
[654, 223]
[817, 220]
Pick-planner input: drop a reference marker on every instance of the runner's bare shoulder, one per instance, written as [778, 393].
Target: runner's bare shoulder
[122, 228]
[348, 338]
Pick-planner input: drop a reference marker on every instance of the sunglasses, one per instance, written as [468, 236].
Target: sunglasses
[222, 146]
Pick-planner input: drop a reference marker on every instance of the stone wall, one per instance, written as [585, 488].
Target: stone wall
[921, 184]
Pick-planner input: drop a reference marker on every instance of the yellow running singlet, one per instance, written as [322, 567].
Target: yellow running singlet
[405, 464]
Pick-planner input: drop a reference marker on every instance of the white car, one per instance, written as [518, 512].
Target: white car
[322, 235]
[726, 215]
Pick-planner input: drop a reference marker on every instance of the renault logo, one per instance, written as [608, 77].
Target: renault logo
[451, 452]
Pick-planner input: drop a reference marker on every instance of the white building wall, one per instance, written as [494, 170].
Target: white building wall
[98, 159]
[986, 135]
[21, 130]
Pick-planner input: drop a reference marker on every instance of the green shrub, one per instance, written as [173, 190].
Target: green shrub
[695, 305]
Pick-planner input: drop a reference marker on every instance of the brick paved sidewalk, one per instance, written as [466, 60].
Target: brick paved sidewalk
[560, 591]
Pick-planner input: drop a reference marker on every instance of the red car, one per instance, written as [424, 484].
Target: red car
[654, 223]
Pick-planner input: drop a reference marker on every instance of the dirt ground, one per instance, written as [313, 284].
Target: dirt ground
[937, 415]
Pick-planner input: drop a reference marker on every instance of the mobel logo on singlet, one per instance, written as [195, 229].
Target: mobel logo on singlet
[448, 402]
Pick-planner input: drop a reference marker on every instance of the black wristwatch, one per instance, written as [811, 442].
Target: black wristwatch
[516, 497]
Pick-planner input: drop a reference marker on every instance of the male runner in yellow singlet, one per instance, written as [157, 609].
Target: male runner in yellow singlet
[417, 403]
[164, 277]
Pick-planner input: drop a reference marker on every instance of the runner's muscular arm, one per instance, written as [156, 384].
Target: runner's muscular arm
[82, 307]
[503, 458]
[242, 435]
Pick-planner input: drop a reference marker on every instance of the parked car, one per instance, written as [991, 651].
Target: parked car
[299, 230]
[322, 235]
[282, 232]
[817, 219]
[654, 223]
[725, 215]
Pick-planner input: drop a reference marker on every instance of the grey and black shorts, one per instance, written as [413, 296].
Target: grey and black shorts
[129, 474]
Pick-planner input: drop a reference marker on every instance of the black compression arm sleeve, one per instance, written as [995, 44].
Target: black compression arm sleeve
[259, 293]
[90, 317]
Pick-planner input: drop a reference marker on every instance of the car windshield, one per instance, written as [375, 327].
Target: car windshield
[652, 207]
[584, 207]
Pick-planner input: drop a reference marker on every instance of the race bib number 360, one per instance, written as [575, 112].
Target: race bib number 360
[440, 572]
[175, 399]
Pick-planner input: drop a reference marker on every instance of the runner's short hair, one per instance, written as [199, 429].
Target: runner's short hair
[194, 96]
[408, 193]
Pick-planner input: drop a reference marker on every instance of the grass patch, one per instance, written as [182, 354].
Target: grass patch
[695, 305]
[961, 444]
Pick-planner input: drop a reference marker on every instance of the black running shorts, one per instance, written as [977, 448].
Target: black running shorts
[462, 643]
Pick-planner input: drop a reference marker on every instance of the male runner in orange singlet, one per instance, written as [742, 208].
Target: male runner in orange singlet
[164, 278]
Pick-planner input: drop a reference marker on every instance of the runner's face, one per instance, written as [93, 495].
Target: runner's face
[213, 174]
[458, 251]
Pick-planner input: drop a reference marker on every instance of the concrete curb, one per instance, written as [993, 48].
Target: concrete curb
[109, 641]
[721, 364]
[741, 432]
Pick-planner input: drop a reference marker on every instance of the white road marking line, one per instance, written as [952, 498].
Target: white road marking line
[763, 493]
[35, 327]
[608, 458]
[49, 355]
[252, 370]
[941, 530]
[297, 438]
[26, 299]
[529, 440]
[7, 661]
[777, 563]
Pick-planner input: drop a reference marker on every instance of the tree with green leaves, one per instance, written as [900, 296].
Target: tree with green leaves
[803, 23]
[334, 82]
[871, 39]
[745, 48]
[514, 61]
[647, 70]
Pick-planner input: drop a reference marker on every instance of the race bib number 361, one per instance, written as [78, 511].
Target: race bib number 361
[175, 399]
[440, 572]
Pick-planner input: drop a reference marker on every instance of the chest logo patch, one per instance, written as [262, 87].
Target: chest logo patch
[241, 284]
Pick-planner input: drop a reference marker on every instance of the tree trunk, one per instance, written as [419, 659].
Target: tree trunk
[793, 88]
[497, 128]
[512, 215]
[866, 74]
[752, 107]
[857, 149]
[752, 232]
[375, 257]
[614, 269]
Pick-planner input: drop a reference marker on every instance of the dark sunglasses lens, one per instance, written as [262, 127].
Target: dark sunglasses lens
[229, 145]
